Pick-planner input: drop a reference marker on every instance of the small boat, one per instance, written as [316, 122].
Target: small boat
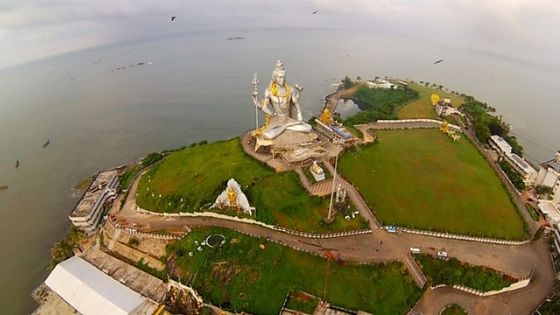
[17, 163]
[3, 187]
[46, 143]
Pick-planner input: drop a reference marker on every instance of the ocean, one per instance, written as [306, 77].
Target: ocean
[111, 105]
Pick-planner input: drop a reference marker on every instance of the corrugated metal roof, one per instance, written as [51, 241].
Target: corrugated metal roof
[90, 291]
[521, 163]
[501, 143]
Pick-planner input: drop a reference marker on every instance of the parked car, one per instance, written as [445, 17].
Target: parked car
[391, 229]
[415, 250]
[442, 254]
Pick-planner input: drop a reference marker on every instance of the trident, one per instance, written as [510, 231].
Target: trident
[255, 95]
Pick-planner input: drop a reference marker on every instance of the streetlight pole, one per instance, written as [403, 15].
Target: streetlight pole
[332, 190]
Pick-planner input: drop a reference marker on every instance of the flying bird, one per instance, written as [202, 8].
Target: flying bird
[439, 61]
[173, 18]
[315, 12]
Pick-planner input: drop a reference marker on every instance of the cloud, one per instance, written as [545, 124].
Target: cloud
[32, 30]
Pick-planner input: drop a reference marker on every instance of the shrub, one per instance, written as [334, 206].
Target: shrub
[133, 241]
[515, 178]
[151, 158]
[379, 103]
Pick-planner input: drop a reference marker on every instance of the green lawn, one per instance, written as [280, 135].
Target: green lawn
[455, 272]
[281, 200]
[197, 175]
[128, 175]
[242, 276]
[299, 301]
[422, 107]
[422, 179]
[193, 177]
[454, 310]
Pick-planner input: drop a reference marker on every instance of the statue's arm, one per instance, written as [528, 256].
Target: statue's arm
[295, 101]
[265, 104]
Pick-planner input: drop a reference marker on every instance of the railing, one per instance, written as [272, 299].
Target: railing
[134, 232]
[462, 237]
[207, 214]
[514, 286]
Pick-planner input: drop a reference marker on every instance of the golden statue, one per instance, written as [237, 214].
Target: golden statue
[232, 197]
[444, 127]
[326, 117]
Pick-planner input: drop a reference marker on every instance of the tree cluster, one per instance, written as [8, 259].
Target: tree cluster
[65, 249]
[515, 178]
[486, 125]
[379, 103]
[151, 158]
[347, 82]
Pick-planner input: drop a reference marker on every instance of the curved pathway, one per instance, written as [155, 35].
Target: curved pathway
[380, 246]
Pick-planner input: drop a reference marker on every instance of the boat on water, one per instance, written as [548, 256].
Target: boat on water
[3, 187]
[46, 143]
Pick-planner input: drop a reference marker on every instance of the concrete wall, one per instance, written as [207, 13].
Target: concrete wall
[136, 255]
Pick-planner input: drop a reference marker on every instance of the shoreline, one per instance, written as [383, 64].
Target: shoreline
[235, 227]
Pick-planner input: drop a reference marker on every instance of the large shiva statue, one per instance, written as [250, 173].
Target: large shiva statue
[280, 105]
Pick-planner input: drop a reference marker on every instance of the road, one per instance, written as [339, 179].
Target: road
[381, 246]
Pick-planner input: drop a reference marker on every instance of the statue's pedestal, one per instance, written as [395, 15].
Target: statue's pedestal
[292, 146]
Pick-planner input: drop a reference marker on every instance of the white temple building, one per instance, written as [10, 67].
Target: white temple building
[518, 163]
[549, 176]
[380, 84]
[87, 213]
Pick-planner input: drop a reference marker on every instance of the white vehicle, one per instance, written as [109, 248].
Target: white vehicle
[442, 254]
[415, 250]
[391, 229]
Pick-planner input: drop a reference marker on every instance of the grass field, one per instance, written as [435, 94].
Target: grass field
[281, 200]
[454, 310]
[242, 276]
[193, 177]
[422, 179]
[197, 175]
[299, 301]
[455, 272]
[422, 107]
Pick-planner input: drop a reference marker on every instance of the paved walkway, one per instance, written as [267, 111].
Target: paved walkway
[403, 125]
[414, 270]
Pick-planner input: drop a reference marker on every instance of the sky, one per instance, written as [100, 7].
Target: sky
[523, 30]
